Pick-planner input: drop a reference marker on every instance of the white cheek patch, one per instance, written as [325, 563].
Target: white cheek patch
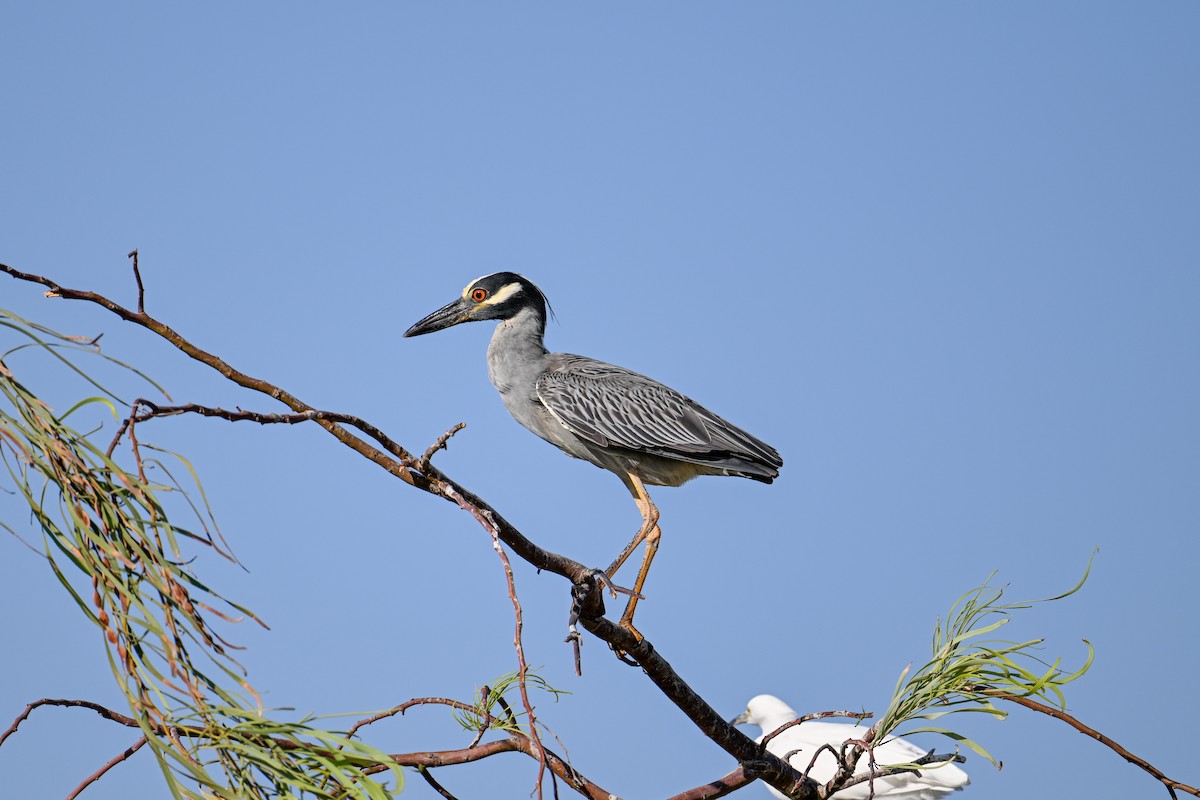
[503, 293]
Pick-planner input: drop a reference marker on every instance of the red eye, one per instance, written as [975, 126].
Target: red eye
[479, 295]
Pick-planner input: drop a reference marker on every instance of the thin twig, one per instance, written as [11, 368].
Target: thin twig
[774, 771]
[441, 444]
[107, 713]
[437, 787]
[486, 722]
[522, 665]
[1063, 716]
[133, 447]
[391, 712]
[516, 742]
[722, 786]
[153, 410]
[848, 756]
[859, 715]
[95, 776]
[398, 462]
[442, 701]
[884, 772]
[509, 716]
[137, 274]
[812, 762]
[400, 470]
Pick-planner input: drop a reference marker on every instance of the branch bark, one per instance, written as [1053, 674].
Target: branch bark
[98, 774]
[400, 463]
[1062, 716]
[513, 743]
[754, 760]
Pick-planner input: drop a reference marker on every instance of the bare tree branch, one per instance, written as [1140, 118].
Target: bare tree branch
[1062, 716]
[437, 787]
[441, 444]
[400, 463]
[516, 742]
[883, 772]
[720, 787]
[137, 276]
[588, 605]
[107, 713]
[98, 774]
[859, 715]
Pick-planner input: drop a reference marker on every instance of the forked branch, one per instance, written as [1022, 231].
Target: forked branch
[372, 444]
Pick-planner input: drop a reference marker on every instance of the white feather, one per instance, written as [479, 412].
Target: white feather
[934, 782]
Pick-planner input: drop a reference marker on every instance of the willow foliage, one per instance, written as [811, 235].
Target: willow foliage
[967, 668]
[105, 526]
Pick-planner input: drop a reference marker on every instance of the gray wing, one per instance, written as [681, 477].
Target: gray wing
[610, 406]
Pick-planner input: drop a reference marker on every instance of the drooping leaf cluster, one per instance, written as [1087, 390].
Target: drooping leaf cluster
[105, 526]
[968, 672]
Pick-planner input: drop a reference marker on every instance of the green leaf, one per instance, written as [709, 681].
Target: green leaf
[110, 539]
[965, 665]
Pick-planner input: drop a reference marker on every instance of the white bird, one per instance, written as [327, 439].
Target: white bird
[768, 712]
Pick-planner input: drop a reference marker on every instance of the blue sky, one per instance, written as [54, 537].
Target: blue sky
[945, 258]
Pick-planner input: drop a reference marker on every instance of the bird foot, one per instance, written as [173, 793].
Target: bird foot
[606, 582]
[621, 653]
[627, 624]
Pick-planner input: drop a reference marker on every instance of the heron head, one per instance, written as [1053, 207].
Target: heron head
[501, 295]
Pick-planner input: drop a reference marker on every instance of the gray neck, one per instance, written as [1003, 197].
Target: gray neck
[517, 353]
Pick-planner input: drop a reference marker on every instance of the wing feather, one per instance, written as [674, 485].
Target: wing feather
[612, 406]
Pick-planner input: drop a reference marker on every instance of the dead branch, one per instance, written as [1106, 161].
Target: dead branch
[98, 774]
[884, 772]
[437, 787]
[1062, 716]
[400, 463]
[859, 715]
[107, 713]
[720, 787]
[516, 742]
[137, 276]
[441, 444]
[419, 473]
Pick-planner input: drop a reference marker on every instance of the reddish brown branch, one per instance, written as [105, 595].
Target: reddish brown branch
[154, 410]
[516, 742]
[859, 715]
[437, 787]
[393, 458]
[486, 723]
[137, 276]
[98, 774]
[1063, 716]
[240, 378]
[769, 767]
[420, 474]
[398, 463]
[522, 665]
[442, 443]
[391, 712]
[778, 773]
[107, 713]
[884, 772]
[718, 788]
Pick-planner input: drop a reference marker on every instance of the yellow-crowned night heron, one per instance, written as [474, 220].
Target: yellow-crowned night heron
[624, 422]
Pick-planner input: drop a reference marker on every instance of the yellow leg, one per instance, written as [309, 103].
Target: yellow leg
[649, 522]
[650, 533]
